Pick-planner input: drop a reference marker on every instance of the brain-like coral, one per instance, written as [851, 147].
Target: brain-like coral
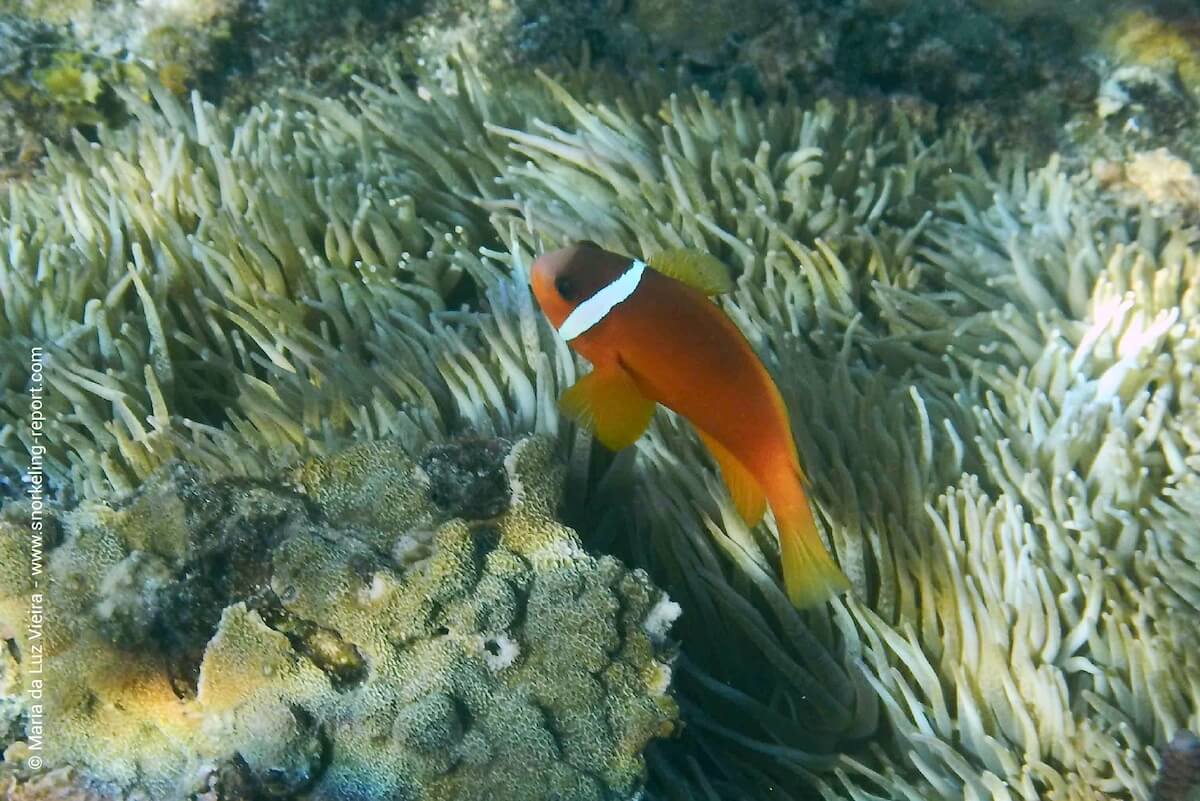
[251, 640]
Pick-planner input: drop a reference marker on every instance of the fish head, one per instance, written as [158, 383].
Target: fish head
[563, 279]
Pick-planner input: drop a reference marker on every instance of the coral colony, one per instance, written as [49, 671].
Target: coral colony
[257, 646]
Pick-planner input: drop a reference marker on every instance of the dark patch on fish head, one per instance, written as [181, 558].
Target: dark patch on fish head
[564, 278]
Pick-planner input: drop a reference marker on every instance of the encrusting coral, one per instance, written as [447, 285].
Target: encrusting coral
[223, 637]
[992, 370]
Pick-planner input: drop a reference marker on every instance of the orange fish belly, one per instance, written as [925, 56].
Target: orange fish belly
[684, 353]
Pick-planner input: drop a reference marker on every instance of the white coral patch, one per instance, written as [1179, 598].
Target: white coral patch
[1164, 178]
[381, 585]
[516, 487]
[660, 618]
[658, 680]
[185, 12]
[498, 650]
[412, 548]
[558, 552]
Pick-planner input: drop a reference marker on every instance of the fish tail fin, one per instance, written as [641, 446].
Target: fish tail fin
[810, 575]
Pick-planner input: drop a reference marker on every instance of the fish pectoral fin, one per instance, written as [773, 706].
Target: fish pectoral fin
[748, 497]
[698, 270]
[607, 401]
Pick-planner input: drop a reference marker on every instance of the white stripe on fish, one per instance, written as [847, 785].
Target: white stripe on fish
[596, 308]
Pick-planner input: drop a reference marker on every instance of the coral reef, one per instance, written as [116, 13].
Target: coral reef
[1179, 776]
[65, 65]
[1140, 37]
[1012, 67]
[944, 51]
[1016, 72]
[47, 88]
[69, 66]
[1151, 85]
[1149, 92]
[991, 366]
[56, 785]
[224, 637]
[1157, 177]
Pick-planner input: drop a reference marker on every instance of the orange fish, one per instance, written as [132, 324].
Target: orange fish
[653, 336]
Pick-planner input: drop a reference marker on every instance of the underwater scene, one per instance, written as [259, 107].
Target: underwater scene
[599, 400]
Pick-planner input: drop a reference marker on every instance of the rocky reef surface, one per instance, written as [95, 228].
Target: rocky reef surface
[1084, 76]
[356, 635]
[990, 355]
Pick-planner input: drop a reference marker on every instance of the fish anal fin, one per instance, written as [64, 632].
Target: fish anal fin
[698, 270]
[608, 402]
[747, 495]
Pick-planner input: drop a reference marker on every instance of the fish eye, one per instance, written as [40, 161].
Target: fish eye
[565, 287]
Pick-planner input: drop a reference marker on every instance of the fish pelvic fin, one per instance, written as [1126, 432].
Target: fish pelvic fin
[748, 497]
[608, 402]
[698, 270]
[810, 575]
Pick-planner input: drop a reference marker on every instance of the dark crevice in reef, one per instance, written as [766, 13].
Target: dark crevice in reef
[231, 57]
[621, 629]
[562, 741]
[235, 526]
[467, 477]
[521, 610]
[485, 539]
[236, 779]
[233, 780]
[548, 722]
[463, 713]
[232, 565]
[338, 659]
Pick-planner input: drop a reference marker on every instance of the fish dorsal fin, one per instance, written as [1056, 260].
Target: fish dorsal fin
[698, 270]
[747, 495]
[608, 402]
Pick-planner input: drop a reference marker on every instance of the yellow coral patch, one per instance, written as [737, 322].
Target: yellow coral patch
[1140, 37]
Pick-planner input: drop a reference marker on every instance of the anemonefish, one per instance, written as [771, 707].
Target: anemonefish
[653, 336]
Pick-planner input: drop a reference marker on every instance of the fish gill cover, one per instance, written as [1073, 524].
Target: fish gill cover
[281, 571]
